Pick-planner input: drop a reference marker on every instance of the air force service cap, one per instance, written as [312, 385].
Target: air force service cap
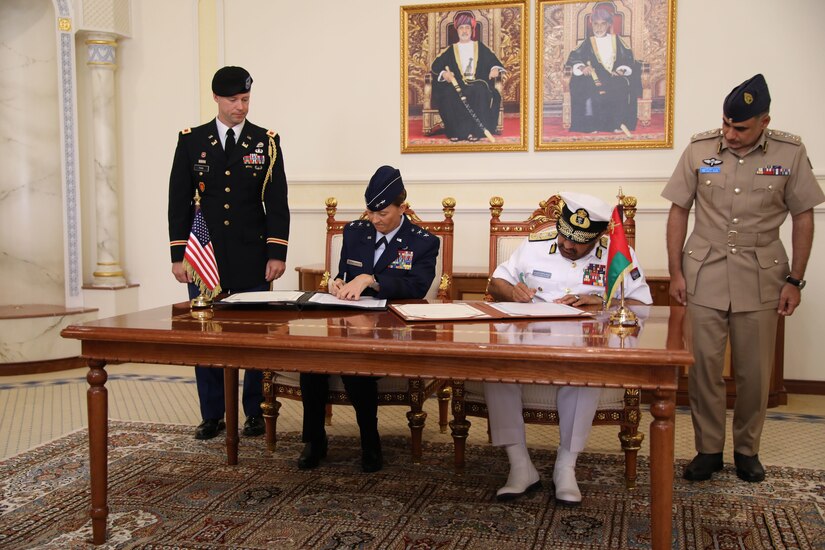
[229, 81]
[583, 217]
[749, 99]
[384, 187]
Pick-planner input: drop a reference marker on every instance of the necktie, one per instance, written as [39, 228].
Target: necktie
[230, 142]
[379, 242]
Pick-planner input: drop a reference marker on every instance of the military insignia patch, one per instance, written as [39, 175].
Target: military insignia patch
[713, 161]
[594, 274]
[356, 263]
[634, 273]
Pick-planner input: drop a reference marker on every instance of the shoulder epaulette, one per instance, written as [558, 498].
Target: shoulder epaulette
[779, 135]
[603, 241]
[186, 131]
[543, 235]
[416, 230]
[706, 135]
[271, 133]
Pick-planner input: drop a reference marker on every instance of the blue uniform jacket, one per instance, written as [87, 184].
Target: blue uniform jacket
[406, 268]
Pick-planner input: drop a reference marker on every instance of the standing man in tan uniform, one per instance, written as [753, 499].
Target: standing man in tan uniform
[734, 273]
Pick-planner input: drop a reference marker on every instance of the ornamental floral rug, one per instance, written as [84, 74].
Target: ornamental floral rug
[167, 490]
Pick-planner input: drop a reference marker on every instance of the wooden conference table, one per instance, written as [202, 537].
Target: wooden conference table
[381, 344]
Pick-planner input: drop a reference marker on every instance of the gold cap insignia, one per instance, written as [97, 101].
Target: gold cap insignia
[748, 98]
[580, 218]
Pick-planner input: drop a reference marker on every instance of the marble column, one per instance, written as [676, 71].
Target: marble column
[31, 208]
[101, 48]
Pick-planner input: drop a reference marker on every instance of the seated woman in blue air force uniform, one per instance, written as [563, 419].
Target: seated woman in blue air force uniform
[568, 265]
[385, 256]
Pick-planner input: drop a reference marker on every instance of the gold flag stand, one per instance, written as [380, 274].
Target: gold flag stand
[622, 318]
[204, 299]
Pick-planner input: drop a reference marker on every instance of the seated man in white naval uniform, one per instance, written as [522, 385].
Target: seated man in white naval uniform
[567, 265]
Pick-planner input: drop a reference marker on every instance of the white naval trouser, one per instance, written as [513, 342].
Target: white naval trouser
[576, 407]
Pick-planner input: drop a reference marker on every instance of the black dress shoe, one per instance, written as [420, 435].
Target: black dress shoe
[254, 426]
[748, 468]
[312, 454]
[209, 429]
[372, 459]
[702, 466]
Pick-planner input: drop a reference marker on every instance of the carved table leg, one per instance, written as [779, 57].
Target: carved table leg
[416, 417]
[270, 408]
[444, 395]
[97, 401]
[230, 388]
[459, 425]
[662, 431]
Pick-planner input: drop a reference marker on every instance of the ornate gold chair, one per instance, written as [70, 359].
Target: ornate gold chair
[409, 392]
[619, 407]
[431, 119]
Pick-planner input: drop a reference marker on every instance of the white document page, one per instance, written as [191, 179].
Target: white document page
[263, 297]
[537, 309]
[363, 301]
[440, 311]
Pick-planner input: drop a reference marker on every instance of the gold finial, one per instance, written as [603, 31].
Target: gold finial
[496, 204]
[448, 205]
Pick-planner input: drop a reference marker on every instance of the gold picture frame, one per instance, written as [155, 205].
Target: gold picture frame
[604, 74]
[483, 112]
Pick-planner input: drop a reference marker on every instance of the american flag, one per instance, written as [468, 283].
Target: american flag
[201, 256]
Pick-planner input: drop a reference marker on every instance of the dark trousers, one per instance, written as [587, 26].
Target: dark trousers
[363, 394]
[210, 381]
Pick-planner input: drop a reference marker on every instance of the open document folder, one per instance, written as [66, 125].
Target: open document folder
[459, 311]
[295, 299]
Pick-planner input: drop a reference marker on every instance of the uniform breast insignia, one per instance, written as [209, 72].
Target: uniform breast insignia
[717, 132]
[403, 261]
[594, 274]
[356, 263]
[201, 167]
[541, 274]
[543, 235]
[255, 160]
[186, 131]
[713, 161]
[773, 170]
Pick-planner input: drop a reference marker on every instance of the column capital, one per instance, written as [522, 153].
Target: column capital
[101, 50]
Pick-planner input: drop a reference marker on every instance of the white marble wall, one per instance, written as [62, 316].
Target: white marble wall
[31, 212]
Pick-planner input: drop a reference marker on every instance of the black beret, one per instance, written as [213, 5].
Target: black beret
[384, 187]
[229, 81]
[749, 99]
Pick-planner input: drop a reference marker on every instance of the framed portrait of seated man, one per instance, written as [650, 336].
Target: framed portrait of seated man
[463, 77]
[604, 74]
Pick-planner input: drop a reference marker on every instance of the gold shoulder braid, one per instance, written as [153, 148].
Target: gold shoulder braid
[273, 154]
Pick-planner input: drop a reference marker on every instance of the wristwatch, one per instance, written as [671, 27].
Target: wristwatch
[799, 283]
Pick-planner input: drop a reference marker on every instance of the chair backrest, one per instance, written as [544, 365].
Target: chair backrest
[443, 229]
[506, 236]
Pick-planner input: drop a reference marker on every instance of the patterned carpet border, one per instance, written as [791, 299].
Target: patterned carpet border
[168, 490]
